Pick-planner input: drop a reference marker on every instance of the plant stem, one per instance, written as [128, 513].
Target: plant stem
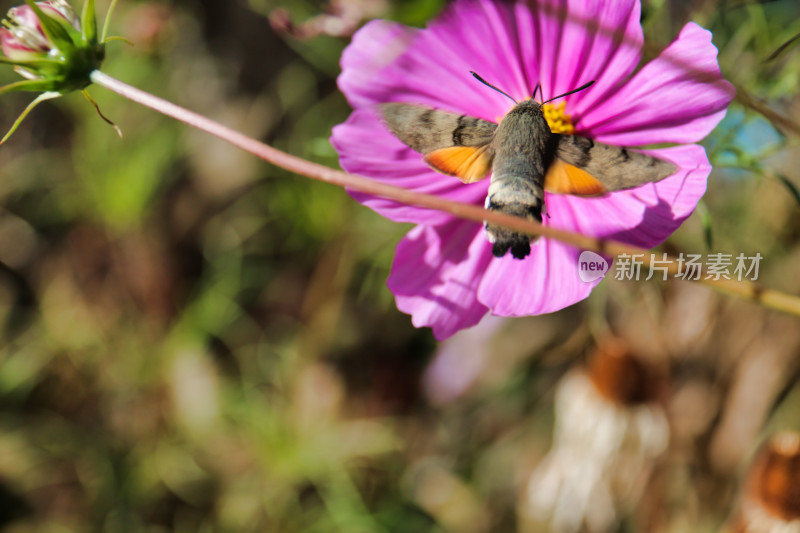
[745, 289]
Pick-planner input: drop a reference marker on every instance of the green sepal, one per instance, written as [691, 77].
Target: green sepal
[52, 74]
[39, 99]
[118, 38]
[27, 85]
[33, 64]
[107, 22]
[55, 32]
[89, 23]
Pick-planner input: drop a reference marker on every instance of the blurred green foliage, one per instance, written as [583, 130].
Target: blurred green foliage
[195, 341]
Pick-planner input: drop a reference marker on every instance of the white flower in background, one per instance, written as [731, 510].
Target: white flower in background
[609, 433]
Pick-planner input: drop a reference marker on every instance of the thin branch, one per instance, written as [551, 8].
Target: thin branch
[745, 289]
[781, 48]
[783, 123]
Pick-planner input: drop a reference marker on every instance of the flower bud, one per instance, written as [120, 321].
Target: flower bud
[52, 49]
[23, 38]
[48, 46]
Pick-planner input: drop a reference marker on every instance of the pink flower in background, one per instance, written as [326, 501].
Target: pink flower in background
[444, 273]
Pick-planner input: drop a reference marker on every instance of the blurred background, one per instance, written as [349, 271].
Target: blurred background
[192, 340]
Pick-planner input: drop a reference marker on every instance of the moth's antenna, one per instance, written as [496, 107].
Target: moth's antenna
[537, 88]
[483, 81]
[582, 87]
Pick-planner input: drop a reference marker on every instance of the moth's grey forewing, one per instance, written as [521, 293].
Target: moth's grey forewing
[524, 149]
[426, 129]
[615, 167]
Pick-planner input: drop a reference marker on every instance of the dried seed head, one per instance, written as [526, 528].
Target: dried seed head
[771, 497]
[620, 377]
[774, 480]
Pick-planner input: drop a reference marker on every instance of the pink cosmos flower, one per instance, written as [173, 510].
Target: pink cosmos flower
[444, 273]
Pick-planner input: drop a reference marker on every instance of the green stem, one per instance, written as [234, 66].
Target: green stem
[745, 289]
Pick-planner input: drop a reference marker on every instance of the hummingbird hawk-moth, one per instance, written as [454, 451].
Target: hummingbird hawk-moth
[524, 157]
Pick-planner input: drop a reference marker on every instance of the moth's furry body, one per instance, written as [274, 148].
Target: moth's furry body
[523, 151]
[524, 157]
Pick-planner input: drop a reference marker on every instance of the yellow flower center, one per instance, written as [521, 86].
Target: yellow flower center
[557, 119]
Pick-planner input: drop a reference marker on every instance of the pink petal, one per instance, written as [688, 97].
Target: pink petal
[16, 51]
[389, 62]
[374, 47]
[544, 282]
[579, 41]
[368, 148]
[460, 361]
[436, 273]
[678, 97]
[25, 16]
[548, 280]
